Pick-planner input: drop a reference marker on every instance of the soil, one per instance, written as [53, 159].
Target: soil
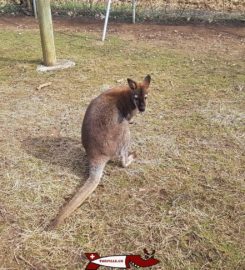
[142, 30]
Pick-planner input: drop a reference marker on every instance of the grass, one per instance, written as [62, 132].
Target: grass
[183, 197]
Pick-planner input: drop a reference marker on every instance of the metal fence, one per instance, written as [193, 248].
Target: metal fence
[214, 5]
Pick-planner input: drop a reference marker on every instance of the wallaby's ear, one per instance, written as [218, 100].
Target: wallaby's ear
[132, 84]
[147, 81]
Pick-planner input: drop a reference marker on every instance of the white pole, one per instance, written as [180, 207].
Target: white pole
[134, 10]
[35, 8]
[106, 19]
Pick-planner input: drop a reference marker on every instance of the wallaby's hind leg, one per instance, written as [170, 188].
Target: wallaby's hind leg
[127, 158]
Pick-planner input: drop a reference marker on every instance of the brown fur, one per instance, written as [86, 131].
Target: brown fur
[106, 135]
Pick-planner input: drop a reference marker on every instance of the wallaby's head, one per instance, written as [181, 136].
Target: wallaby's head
[139, 92]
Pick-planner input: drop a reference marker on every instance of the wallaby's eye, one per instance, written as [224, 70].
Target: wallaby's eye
[136, 97]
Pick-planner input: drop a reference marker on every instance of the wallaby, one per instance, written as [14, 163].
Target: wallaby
[106, 135]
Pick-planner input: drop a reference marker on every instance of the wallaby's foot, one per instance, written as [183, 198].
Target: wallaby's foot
[133, 154]
[131, 121]
[128, 160]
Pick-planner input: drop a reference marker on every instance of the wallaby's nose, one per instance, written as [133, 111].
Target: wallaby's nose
[142, 109]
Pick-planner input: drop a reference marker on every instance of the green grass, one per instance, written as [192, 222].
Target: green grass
[184, 196]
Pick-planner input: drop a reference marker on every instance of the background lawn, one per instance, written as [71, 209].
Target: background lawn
[183, 197]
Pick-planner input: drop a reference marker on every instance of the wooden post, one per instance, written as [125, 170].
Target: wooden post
[46, 32]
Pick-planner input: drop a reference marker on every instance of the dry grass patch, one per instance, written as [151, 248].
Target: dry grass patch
[184, 196]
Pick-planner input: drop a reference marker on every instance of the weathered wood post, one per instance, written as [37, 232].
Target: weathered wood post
[46, 32]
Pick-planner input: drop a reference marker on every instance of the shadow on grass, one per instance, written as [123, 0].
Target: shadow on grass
[60, 151]
[24, 61]
[63, 152]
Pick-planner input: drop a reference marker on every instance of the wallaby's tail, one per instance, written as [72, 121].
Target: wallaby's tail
[95, 173]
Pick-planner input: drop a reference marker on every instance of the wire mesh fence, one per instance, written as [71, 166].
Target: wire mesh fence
[147, 10]
[215, 5]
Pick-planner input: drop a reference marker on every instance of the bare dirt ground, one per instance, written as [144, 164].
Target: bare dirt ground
[148, 31]
[183, 197]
